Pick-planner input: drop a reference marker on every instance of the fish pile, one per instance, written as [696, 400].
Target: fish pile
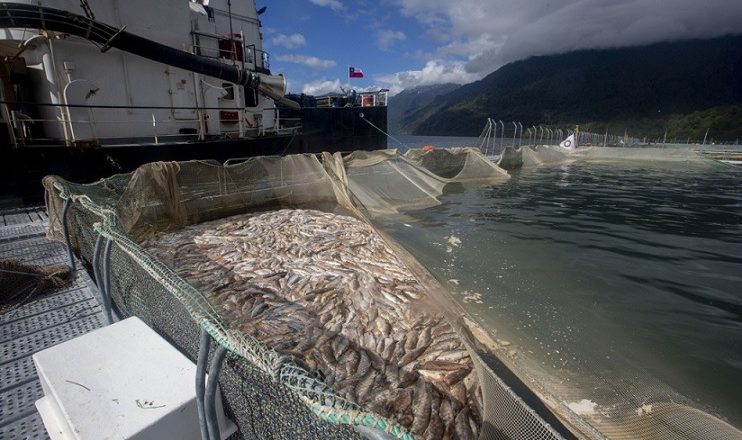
[326, 290]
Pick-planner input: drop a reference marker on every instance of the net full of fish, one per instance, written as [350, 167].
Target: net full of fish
[326, 290]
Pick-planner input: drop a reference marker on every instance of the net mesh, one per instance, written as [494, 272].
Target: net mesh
[532, 156]
[268, 394]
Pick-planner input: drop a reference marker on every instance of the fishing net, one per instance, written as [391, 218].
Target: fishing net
[268, 394]
[457, 165]
[511, 158]
[23, 282]
[533, 156]
[385, 182]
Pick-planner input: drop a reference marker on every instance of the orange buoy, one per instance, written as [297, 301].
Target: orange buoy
[428, 148]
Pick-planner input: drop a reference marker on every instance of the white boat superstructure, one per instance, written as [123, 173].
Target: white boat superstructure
[87, 97]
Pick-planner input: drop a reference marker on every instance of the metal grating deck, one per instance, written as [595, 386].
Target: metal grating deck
[49, 320]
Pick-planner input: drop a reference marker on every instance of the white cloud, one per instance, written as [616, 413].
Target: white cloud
[434, 72]
[289, 41]
[309, 61]
[332, 4]
[491, 33]
[386, 38]
[321, 87]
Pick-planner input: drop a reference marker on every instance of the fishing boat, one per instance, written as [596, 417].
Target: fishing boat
[88, 90]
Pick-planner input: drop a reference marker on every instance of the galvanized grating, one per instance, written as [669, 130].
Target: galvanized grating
[27, 428]
[69, 296]
[16, 373]
[34, 248]
[32, 327]
[52, 318]
[14, 233]
[30, 344]
[19, 401]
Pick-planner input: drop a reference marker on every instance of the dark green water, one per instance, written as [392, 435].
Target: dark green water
[617, 284]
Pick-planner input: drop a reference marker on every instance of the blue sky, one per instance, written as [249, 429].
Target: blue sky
[312, 44]
[405, 43]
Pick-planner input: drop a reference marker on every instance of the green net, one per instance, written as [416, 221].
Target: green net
[198, 245]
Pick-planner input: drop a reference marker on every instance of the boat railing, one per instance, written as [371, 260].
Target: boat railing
[377, 98]
[81, 127]
[260, 58]
[231, 48]
[496, 135]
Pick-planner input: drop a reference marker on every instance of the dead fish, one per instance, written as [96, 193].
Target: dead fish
[259, 309]
[446, 414]
[435, 427]
[411, 356]
[457, 375]
[441, 366]
[364, 385]
[327, 291]
[364, 364]
[424, 339]
[462, 429]
[339, 345]
[422, 400]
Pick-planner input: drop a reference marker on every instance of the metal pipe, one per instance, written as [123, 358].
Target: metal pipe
[203, 358]
[65, 229]
[107, 315]
[50, 19]
[541, 138]
[494, 136]
[483, 134]
[502, 134]
[210, 395]
[486, 141]
[49, 65]
[515, 133]
[521, 134]
[97, 272]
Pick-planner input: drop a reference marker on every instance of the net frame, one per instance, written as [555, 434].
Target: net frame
[164, 196]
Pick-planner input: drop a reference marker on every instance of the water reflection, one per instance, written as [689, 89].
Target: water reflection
[617, 284]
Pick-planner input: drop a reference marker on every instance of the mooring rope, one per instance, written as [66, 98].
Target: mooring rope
[383, 132]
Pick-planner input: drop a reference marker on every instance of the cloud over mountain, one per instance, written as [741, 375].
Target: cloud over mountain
[321, 87]
[309, 61]
[486, 34]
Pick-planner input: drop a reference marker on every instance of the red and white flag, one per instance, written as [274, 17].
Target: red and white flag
[354, 73]
[569, 143]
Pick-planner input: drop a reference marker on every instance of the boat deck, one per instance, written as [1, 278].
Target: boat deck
[43, 322]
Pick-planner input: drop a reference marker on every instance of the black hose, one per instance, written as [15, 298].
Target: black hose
[18, 15]
[212, 421]
[201, 366]
[66, 230]
[107, 314]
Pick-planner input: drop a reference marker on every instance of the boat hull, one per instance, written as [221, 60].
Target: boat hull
[331, 130]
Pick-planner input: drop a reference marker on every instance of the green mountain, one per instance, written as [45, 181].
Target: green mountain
[683, 86]
[406, 107]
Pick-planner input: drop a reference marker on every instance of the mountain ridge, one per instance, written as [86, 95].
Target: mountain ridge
[642, 86]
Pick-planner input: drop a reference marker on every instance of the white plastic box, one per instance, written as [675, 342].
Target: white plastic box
[123, 381]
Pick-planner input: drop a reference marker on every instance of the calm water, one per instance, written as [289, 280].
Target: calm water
[616, 284]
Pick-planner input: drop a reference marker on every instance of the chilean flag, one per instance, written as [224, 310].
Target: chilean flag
[354, 73]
